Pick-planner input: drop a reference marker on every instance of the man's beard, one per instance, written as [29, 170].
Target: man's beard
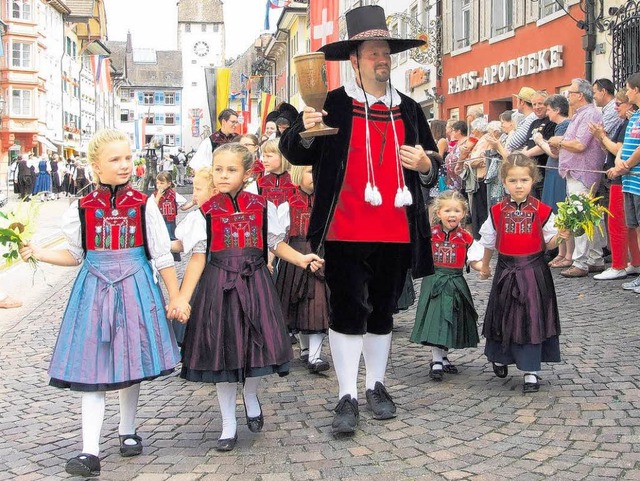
[382, 75]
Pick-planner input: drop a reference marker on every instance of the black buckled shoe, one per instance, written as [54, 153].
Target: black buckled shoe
[448, 367]
[86, 465]
[227, 444]
[380, 402]
[256, 423]
[128, 450]
[318, 366]
[500, 371]
[529, 387]
[347, 415]
[436, 374]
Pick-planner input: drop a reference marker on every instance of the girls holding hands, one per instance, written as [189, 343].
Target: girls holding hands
[445, 316]
[237, 332]
[521, 324]
[114, 332]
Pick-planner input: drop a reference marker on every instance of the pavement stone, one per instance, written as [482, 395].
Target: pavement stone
[584, 424]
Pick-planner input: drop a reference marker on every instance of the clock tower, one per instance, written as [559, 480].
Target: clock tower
[201, 40]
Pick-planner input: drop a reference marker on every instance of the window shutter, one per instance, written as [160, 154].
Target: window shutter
[177, 118]
[447, 29]
[178, 140]
[157, 119]
[140, 97]
[533, 10]
[161, 119]
[161, 97]
[486, 23]
[475, 22]
[518, 13]
[156, 98]
[177, 98]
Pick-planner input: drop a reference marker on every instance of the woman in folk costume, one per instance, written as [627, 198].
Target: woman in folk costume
[368, 217]
[304, 295]
[114, 333]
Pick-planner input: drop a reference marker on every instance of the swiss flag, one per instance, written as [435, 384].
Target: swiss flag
[324, 30]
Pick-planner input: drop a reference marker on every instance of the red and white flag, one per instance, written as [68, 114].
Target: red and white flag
[324, 30]
[101, 68]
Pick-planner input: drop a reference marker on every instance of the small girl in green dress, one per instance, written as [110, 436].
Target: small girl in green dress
[446, 317]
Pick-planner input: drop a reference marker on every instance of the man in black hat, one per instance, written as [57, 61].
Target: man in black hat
[368, 216]
[203, 157]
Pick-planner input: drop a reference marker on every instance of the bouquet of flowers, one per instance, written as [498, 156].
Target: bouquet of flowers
[17, 227]
[581, 214]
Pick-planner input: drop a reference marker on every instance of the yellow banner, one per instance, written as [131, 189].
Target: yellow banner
[223, 89]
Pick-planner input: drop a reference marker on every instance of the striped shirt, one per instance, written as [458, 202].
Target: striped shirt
[520, 137]
[631, 183]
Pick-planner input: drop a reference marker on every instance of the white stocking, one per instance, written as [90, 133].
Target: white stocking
[346, 350]
[315, 347]
[128, 408]
[227, 392]
[437, 354]
[376, 354]
[92, 418]
[250, 395]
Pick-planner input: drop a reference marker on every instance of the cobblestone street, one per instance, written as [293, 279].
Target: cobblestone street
[582, 425]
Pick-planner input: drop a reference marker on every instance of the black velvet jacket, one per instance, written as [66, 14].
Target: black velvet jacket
[328, 156]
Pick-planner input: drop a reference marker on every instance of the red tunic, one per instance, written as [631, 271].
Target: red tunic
[235, 223]
[113, 221]
[450, 248]
[276, 188]
[300, 204]
[354, 219]
[168, 205]
[519, 227]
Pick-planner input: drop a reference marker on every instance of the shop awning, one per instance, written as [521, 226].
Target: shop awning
[49, 145]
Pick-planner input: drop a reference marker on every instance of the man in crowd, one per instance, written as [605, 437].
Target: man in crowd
[228, 119]
[579, 153]
[524, 106]
[370, 231]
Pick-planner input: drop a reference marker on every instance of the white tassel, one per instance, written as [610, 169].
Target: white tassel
[368, 193]
[399, 201]
[377, 197]
[407, 198]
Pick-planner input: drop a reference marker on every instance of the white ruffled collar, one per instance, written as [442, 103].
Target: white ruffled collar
[354, 91]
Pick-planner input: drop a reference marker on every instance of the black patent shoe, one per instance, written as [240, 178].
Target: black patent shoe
[448, 367]
[500, 371]
[86, 465]
[347, 415]
[128, 450]
[227, 444]
[379, 401]
[318, 366]
[436, 374]
[256, 423]
[529, 387]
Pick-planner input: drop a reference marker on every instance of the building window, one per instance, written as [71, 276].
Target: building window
[548, 7]
[124, 115]
[170, 139]
[170, 119]
[204, 27]
[21, 102]
[20, 9]
[502, 17]
[394, 31]
[461, 24]
[454, 113]
[150, 118]
[124, 95]
[21, 55]
[187, 27]
[215, 28]
[194, 84]
[148, 98]
[169, 98]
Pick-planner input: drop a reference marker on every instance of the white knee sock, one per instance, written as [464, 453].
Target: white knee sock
[315, 347]
[531, 376]
[303, 339]
[128, 408]
[376, 354]
[346, 350]
[92, 418]
[437, 354]
[250, 395]
[227, 392]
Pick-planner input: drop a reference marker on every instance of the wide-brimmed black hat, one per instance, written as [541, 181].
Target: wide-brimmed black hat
[285, 110]
[366, 23]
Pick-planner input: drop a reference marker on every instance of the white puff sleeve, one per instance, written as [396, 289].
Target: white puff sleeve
[192, 231]
[549, 229]
[158, 240]
[277, 223]
[488, 234]
[72, 231]
[475, 252]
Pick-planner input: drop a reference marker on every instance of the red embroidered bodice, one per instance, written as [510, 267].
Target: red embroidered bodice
[300, 204]
[168, 205]
[235, 222]
[450, 248]
[276, 188]
[519, 227]
[113, 220]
